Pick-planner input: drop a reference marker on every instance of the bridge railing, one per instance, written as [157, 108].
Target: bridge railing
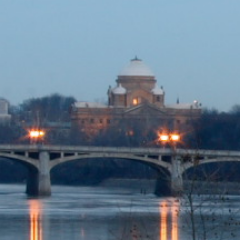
[135, 150]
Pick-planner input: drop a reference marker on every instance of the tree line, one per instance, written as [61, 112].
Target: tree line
[213, 130]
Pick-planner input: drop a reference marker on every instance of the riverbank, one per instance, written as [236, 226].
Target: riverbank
[206, 187]
[142, 185]
[196, 187]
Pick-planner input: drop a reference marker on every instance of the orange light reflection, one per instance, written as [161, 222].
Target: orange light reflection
[163, 209]
[168, 228]
[175, 212]
[35, 208]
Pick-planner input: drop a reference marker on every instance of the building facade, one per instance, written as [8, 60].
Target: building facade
[135, 98]
[5, 117]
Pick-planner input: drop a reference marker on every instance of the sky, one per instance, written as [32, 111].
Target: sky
[78, 47]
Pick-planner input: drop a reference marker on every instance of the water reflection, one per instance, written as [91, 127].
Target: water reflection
[175, 211]
[35, 212]
[82, 233]
[80, 222]
[168, 228]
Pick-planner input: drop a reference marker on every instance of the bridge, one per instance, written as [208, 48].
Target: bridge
[40, 159]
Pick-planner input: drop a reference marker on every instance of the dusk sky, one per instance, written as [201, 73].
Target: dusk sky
[78, 47]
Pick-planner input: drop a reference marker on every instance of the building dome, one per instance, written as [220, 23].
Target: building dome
[157, 90]
[136, 68]
[119, 90]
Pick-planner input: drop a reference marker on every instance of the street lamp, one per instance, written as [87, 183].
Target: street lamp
[169, 137]
[176, 169]
[36, 135]
[163, 137]
[174, 137]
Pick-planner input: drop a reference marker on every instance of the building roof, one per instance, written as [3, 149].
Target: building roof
[119, 90]
[89, 105]
[194, 105]
[136, 68]
[157, 90]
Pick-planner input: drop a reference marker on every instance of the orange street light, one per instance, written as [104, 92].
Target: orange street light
[36, 134]
[163, 137]
[172, 137]
[175, 137]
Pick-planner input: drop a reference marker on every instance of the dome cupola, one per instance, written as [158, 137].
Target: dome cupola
[136, 67]
[119, 90]
[157, 90]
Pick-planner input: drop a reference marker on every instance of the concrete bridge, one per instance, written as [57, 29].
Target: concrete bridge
[40, 159]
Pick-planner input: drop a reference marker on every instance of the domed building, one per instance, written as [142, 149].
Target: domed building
[135, 97]
[136, 85]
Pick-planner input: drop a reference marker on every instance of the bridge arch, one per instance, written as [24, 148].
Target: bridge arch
[146, 160]
[25, 160]
[163, 169]
[32, 167]
[188, 165]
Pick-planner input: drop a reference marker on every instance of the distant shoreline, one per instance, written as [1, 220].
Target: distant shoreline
[202, 187]
[205, 187]
[148, 186]
[145, 185]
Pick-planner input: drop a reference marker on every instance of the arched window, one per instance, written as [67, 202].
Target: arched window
[135, 101]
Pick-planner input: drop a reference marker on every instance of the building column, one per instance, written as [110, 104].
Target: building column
[44, 184]
[176, 176]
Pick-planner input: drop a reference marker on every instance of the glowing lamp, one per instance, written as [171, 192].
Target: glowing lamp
[164, 137]
[175, 137]
[36, 134]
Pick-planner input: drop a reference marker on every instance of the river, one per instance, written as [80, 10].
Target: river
[101, 213]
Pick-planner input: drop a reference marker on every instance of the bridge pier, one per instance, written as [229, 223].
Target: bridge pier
[38, 183]
[176, 177]
[44, 185]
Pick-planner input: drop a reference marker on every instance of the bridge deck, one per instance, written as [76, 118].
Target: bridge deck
[88, 149]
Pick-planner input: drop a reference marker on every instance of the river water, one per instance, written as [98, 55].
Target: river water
[101, 213]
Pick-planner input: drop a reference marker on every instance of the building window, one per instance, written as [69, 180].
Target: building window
[91, 120]
[108, 121]
[135, 101]
[100, 121]
[158, 98]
